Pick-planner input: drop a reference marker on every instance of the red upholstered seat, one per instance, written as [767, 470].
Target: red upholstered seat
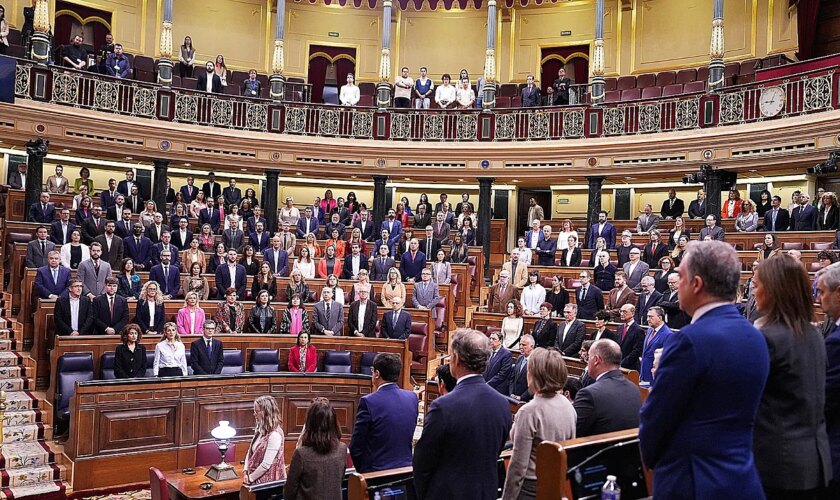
[665, 78]
[651, 92]
[366, 100]
[417, 344]
[502, 102]
[821, 245]
[730, 72]
[626, 82]
[610, 84]
[686, 75]
[702, 74]
[157, 482]
[631, 94]
[367, 88]
[646, 80]
[791, 245]
[673, 89]
[814, 267]
[691, 87]
[612, 96]
[506, 90]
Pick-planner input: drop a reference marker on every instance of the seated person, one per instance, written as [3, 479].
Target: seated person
[302, 356]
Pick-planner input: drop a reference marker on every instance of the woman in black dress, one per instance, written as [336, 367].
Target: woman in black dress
[130, 356]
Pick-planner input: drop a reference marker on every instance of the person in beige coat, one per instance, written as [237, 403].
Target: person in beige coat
[518, 270]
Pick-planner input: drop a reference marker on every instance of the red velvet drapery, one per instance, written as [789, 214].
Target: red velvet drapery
[807, 11]
[577, 66]
[64, 23]
[320, 56]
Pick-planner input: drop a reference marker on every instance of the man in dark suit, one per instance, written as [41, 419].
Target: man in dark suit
[392, 225]
[232, 194]
[52, 280]
[570, 334]
[125, 186]
[138, 248]
[38, 249]
[210, 215]
[230, 275]
[208, 80]
[828, 286]
[656, 336]
[108, 197]
[590, 298]
[464, 431]
[530, 95]
[61, 229]
[465, 201]
[429, 245]
[422, 218]
[654, 250]
[207, 356]
[182, 236]
[307, 224]
[675, 317]
[803, 217]
[612, 402]
[499, 372]
[110, 311]
[712, 230]
[601, 229]
[72, 314]
[354, 262]
[254, 219]
[134, 200]
[717, 389]
[519, 378]
[166, 245]
[155, 230]
[93, 226]
[167, 275]
[385, 421]
[396, 323]
[189, 191]
[334, 223]
[777, 218]
[17, 178]
[259, 239]
[648, 298]
[211, 189]
[277, 258]
[118, 213]
[366, 226]
[630, 337]
[43, 211]
[328, 318]
[125, 226]
[233, 237]
[546, 248]
[559, 90]
[361, 319]
[697, 208]
[673, 207]
[412, 262]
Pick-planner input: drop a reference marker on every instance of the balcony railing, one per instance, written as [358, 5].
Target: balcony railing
[810, 92]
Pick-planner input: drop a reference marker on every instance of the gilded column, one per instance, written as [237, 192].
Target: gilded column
[598, 57]
[716, 49]
[383, 89]
[165, 64]
[41, 36]
[278, 81]
[488, 97]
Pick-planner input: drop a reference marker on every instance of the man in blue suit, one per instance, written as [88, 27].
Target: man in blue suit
[499, 370]
[210, 215]
[43, 211]
[307, 224]
[696, 426]
[534, 235]
[276, 257]
[412, 262]
[52, 280]
[393, 226]
[655, 338]
[166, 244]
[254, 219]
[828, 285]
[464, 431]
[138, 248]
[590, 298]
[230, 275]
[546, 248]
[601, 229]
[108, 197]
[207, 355]
[167, 276]
[259, 239]
[803, 217]
[189, 191]
[396, 323]
[385, 422]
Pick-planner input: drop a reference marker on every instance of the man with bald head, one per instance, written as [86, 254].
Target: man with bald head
[696, 426]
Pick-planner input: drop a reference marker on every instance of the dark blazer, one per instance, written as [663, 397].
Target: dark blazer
[56, 234]
[519, 380]
[369, 231]
[115, 255]
[102, 314]
[129, 364]
[213, 192]
[171, 285]
[697, 209]
[347, 270]
[803, 219]
[652, 257]
[782, 220]
[44, 216]
[121, 230]
[608, 233]
[399, 330]
[792, 415]
[201, 362]
[570, 346]
[270, 322]
[153, 234]
[15, 182]
[642, 308]
[379, 269]
[610, 404]
[435, 246]
[530, 97]
[675, 317]
[368, 329]
[697, 373]
[631, 341]
[107, 200]
[676, 211]
[201, 83]
[232, 195]
[457, 454]
[188, 193]
[649, 347]
[136, 207]
[412, 268]
[178, 242]
[204, 217]
[576, 257]
[45, 286]
[301, 226]
[251, 222]
[140, 254]
[223, 281]
[146, 323]
[233, 239]
[591, 303]
[832, 396]
[384, 430]
[62, 319]
[90, 229]
[546, 251]
[544, 333]
[34, 256]
[829, 223]
[260, 243]
[175, 255]
[282, 261]
[122, 187]
[499, 371]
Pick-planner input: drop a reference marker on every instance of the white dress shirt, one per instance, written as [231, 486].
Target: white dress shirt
[349, 95]
[170, 356]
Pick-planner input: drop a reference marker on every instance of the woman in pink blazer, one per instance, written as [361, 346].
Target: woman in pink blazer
[303, 357]
[190, 319]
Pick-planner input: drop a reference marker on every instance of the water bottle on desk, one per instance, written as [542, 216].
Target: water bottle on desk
[610, 490]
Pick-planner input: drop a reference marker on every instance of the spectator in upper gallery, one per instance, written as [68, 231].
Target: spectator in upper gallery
[712, 229]
[828, 217]
[232, 194]
[546, 248]
[445, 93]
[186, 58]
[74, 55]
[117, 64]
[601, 229]
[673, 207]
[251, 87]
[530, 95]
[220, 69]
[647, 220]
[764, 203]
[443, 202]
[804, 217]
[747, 220]
[465, 95]
[559, 90]
[535, 213]
[349, 94]
[654, 250]
[423, 88]
[732, 206]
[208, 80]
[697, 208]
[42, 211]
[403, 87]
[776, 218]
[104, 52]
[57, 184]
[17, 178]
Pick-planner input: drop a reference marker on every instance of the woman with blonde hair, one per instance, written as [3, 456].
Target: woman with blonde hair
[170, 355]
[150, 313]
[363, 284]
[264, 461]
[297, 285]
[547, 417]
[356, 238]
[311, 244]
[190, 319]
[393, 287]
[747, 220]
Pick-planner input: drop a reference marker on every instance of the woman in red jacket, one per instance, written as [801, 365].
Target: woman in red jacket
[303, 357]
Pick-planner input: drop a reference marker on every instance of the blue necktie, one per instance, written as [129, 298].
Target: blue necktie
[209, 349]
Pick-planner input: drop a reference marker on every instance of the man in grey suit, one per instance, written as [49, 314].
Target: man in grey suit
[611, 403]
[112, 245]
[17, 178]
[647, 221]
[37, 250]
[329, 315]
[233, 237]
[92, 272]
[441, 229]
[712, 229]
[635, 269]
[381, 264]
[426, 294]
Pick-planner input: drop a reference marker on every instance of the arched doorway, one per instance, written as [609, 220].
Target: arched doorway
[574, 58]
[328, 66]
[71, 19]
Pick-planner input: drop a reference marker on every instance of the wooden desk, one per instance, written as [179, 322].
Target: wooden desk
[185, 486]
